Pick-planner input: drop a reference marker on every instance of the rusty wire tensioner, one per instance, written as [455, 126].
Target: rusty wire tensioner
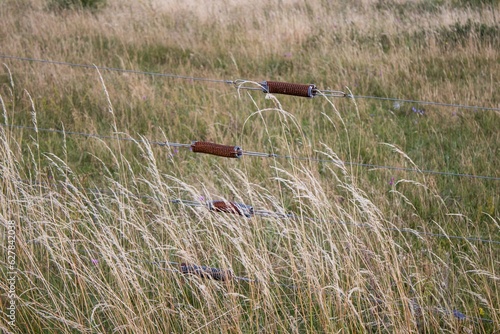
[276, 87]
[216, 149]
[206, 272]
[226, 151]
[287, 88]
[231, 207]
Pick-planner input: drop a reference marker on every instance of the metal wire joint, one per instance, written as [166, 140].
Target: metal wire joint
[231, 207]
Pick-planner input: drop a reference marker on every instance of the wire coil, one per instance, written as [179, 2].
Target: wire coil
[206, 272]
[277, 87]
[231, 207]
[217, 149]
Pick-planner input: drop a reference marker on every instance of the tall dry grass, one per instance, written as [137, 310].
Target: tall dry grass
[97, 230]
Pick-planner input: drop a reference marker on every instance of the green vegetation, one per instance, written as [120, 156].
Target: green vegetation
[76, 4]
[93, 216]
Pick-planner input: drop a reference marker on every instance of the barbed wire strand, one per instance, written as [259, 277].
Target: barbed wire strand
[331, 93]
[257, 154]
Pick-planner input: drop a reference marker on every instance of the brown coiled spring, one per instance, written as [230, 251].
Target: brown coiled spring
[216, 149]
[277, 87]
[206, 272]
[231, 207]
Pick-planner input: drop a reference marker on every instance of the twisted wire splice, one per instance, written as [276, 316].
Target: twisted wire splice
[217, 149]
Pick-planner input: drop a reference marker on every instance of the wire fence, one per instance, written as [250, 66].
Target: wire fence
[225, 275]
[248, 211]
[306, 90]
[217, 274]
[236, 152]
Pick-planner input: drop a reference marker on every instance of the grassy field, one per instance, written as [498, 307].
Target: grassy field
[91, 233]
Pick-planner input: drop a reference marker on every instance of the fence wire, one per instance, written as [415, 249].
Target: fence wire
[255, 153]
[236, 82]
